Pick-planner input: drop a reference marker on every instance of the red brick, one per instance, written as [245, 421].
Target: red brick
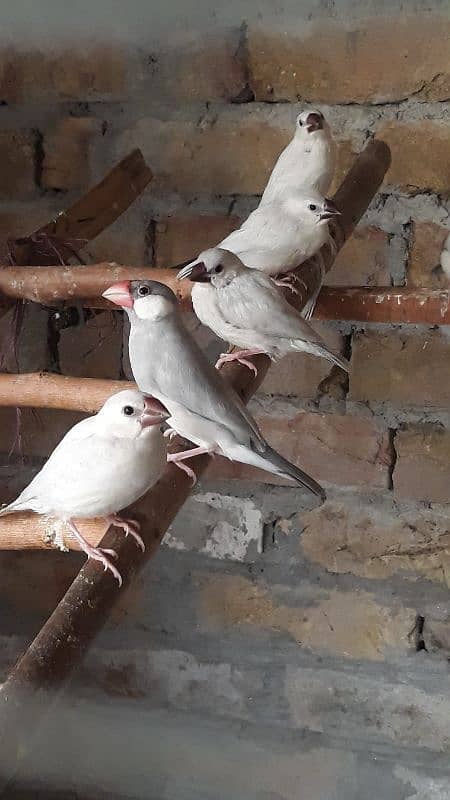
[424, 269]
[123, 242]
[344, 450]
[422, 470]
[363, 261]
[420, 156]
[93, 350]
[179, 238]
[301, 374]
[21, 221]
[197, 67]
[98, 72]
[404, 369]
[373, 60]
[40, 430]
[375, 542]
[223, 156]
[67, 154]
[17, 159]
[11, 76]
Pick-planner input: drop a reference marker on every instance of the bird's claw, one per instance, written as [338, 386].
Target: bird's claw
[96, 553]
[188, 470]
[226, 358]
[109, 552]
[170, 432]
[288, 283]
[99, 554]
[129, 526]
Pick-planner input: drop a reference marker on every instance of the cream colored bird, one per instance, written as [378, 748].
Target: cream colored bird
[102, 465]
[243, 307]
[307, 163]
[278, 236]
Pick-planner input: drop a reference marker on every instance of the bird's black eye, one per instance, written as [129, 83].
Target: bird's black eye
[218, 269]
[143, 291]
[312, 207]
[128, 411]
[300, 122]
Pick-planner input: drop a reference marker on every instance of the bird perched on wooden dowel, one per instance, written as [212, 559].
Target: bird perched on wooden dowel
[102, 465]
[244, 308]
[168, 364]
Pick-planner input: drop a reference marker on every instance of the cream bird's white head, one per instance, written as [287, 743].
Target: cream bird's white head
[311, 209]
[130, 414]
[215, 265]
[311, 124]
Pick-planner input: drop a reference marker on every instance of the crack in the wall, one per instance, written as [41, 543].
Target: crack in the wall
[392, 433]
[39, 155]
[417, 634]
[246, 95]
[150, 243]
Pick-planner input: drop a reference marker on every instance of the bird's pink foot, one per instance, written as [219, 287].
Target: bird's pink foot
[181, 465]
[178, 458]
[130, 526]
[239, 356]
[288, 282]
[170, 432]
[96, 553]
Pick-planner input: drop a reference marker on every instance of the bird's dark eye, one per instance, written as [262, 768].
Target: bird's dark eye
[219, 268]
[143, 291]
[300, 122]
[128, 411]
[312, 207]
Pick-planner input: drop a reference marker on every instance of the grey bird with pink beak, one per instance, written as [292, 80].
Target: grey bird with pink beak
[168, 365]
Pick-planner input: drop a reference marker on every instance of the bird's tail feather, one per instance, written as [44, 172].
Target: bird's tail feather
[271, 461]
[281, 466]
[16, 505]
[323, 352]
[340, 361]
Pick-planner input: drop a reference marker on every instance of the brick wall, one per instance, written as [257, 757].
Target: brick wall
[305, 647]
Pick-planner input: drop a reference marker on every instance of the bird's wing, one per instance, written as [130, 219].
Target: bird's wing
[180, 372]
[252, 302]
[68, 465]
[268, 240]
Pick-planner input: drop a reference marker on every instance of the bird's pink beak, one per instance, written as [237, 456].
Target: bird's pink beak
[119, 294]
[154, 413]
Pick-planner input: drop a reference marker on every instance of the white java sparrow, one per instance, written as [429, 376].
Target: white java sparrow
[102, 465]
[277, 237]
[168, 364]
[307, 162]
[244, 307]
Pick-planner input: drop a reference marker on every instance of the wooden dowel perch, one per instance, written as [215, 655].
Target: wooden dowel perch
[46, 390]
[61, 644]
[381, 304]
[394, 305]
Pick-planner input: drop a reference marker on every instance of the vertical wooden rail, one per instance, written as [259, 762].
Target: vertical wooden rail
[58, 649]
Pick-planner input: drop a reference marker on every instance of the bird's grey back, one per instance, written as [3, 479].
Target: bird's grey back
[168, 364]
